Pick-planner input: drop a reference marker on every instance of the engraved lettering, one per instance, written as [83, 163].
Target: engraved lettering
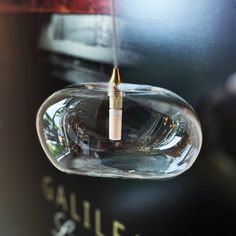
[98, 231]
[48, 190]
[61, 198]
[68, 202]
[117, 227]
[73, 205]
[86, 206]
[65, 228]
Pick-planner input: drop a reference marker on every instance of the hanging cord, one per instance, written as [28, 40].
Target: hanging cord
[114, 35]
[116, 96]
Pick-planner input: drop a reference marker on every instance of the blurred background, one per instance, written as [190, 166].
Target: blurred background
[187, 47]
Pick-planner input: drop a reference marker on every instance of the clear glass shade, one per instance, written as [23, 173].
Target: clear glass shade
[161, 134]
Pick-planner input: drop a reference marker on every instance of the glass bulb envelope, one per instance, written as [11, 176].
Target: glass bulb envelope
[161, 134]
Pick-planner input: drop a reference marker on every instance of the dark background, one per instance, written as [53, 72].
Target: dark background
[192, 53]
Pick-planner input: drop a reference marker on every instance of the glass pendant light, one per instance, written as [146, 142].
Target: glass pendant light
[117, 129]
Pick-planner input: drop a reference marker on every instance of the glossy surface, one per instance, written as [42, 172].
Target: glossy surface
[161, 135]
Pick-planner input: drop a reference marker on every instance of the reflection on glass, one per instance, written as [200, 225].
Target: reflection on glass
[161, 135]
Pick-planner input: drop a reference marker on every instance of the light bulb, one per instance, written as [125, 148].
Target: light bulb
[159, 136]
[115, 106]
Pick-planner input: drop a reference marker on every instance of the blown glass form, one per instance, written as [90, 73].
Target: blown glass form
[161, 135]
